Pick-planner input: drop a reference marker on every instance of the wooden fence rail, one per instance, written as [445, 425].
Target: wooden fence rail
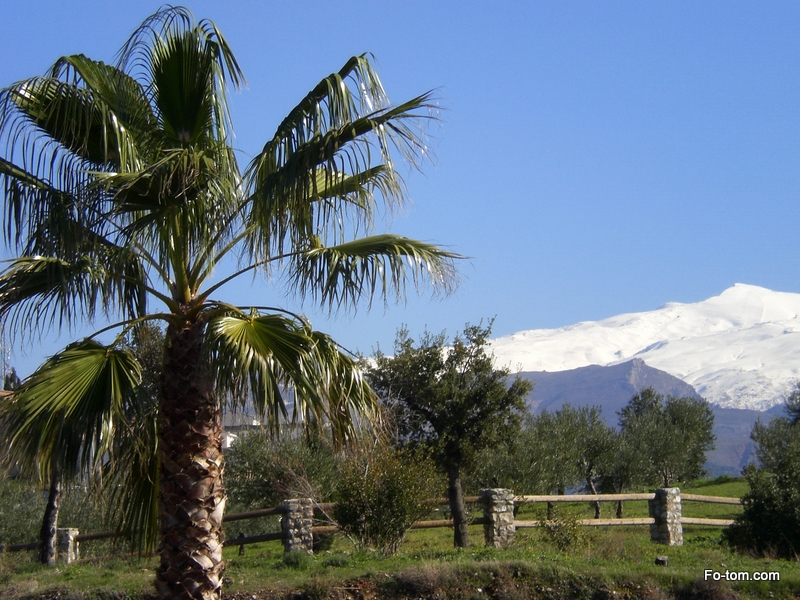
[665, 522]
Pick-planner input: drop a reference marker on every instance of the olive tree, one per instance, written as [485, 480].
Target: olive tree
[450, 399]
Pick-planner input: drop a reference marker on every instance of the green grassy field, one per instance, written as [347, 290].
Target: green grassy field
[606, 562]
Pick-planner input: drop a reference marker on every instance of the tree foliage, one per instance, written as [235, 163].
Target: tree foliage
[264, 471]
[770, 521]
[381, 492]
[672, 435]
[450, 400]
[554, 452]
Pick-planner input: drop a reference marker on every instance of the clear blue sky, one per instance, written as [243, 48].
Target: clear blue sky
[592, 158]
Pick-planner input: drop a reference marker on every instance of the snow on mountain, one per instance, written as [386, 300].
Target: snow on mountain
[740, 349]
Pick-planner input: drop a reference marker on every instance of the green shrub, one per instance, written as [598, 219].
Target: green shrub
[770, 521]
[563, 530]
[297, 559]
[380, 494]
[261, 472]
[336, 561]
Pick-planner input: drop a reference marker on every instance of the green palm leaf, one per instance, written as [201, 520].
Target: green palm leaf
[129, 477]
[380, 265]
[92, 111]
[266, 357]
[36, 292]
[333, 134]
[69, 408]
[346, 392]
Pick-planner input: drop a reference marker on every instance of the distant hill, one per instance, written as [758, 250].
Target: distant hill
[613, 386]
[610, 387]
[740, 349]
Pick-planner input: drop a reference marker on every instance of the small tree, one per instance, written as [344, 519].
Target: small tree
[597, 446]
[450, 400]
[628, 469]
[673, 433]
[561, 450]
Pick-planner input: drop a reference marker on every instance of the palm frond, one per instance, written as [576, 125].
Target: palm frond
[195, 173]
[263, 356]
[171, 37]
[279, 361]
[68, 409]
[344, 129]
[346, 391]
[130, 116]
[129, 478]
[38, 292]
[84, 111]
[380, 265]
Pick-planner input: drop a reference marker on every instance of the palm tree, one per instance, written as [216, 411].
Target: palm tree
[122, 190]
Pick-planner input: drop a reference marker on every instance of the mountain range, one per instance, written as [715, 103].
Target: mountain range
[739, 350]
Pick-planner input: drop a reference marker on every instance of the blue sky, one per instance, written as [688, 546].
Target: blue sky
[591, 159]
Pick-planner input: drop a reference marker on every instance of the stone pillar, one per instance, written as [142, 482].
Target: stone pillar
[498, 510]
[665, 508]
[296, 523]
[66, 544]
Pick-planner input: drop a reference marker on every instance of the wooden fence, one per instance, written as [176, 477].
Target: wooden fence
[665, 521]
[624, 497]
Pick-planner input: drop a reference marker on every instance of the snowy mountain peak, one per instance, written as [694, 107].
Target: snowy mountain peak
[740, 349]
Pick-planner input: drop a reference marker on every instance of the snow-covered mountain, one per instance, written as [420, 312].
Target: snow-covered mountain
[740, 349]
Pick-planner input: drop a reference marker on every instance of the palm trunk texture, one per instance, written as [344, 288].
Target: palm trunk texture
[457, 509]
[192, 495]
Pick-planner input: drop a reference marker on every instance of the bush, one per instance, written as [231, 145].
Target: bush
[380, 494]
[297, 559]
[563, 530]
[261, 472]
[770, 521]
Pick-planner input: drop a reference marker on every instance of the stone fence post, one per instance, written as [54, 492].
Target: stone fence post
[67, 547]
[296, 523]
[665, 508]
[498, 510]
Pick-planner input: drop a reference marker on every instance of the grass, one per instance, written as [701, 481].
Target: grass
[614, 562]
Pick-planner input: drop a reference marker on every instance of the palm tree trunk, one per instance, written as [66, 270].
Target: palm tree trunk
[192, 496]
[457, 508]
[47, 551]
